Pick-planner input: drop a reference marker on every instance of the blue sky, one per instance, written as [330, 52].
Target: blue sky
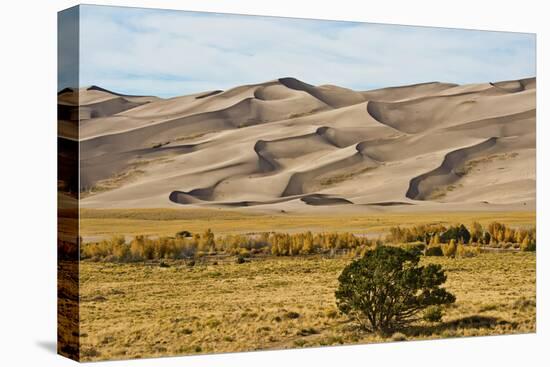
[169, 53]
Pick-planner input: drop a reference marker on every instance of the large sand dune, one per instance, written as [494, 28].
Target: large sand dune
[285, 145]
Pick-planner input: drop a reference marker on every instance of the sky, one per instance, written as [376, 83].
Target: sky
[169, 53]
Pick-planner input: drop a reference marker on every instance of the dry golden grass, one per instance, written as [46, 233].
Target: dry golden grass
[166, 222]
[67, 308]
[138, 310]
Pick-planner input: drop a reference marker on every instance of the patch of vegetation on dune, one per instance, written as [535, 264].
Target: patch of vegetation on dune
[301, 114]
[441, 191]
[336, 179]
[129, 175]
[116, 181]
[472, 164]
[193, 136]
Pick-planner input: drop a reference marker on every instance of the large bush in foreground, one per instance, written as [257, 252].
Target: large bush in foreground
[387, 288]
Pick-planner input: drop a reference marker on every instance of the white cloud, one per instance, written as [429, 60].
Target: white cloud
[173, 53]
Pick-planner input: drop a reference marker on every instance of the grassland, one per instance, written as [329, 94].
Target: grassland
[98, 223]
[145, 310]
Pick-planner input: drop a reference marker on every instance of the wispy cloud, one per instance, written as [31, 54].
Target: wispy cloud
[168, 53]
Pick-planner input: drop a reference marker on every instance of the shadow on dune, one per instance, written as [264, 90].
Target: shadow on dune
[450, 170]
[299, 181]
[198, 196]
[319, 199]
[515, 86]
[208, 94]
[389, 203]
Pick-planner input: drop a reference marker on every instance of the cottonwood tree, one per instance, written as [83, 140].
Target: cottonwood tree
[206, 242]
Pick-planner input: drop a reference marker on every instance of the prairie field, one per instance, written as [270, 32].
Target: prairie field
[151, 309]
[100, 223]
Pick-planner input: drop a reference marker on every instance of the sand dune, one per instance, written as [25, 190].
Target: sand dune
[418, 115]
[394, 94]
[94, 102]
[288, 145]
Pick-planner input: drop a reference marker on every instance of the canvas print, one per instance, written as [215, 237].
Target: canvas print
[233, 183]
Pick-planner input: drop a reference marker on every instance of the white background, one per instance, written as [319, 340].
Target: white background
[28, 182]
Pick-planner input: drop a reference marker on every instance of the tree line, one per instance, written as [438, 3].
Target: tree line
[495, 234]
[432, 240]
[186, 245]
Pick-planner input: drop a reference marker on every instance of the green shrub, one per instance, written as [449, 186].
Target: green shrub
[457, 233]
[433, 250]
[292, 315]
[433, 314]
[415, 246]
[240, 259]
[384, 290]
[528, 245]
[307, 331]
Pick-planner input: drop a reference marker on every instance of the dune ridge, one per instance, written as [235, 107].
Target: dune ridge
[285, 145]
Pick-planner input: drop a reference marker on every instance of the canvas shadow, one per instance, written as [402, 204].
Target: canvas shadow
[48, 345]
